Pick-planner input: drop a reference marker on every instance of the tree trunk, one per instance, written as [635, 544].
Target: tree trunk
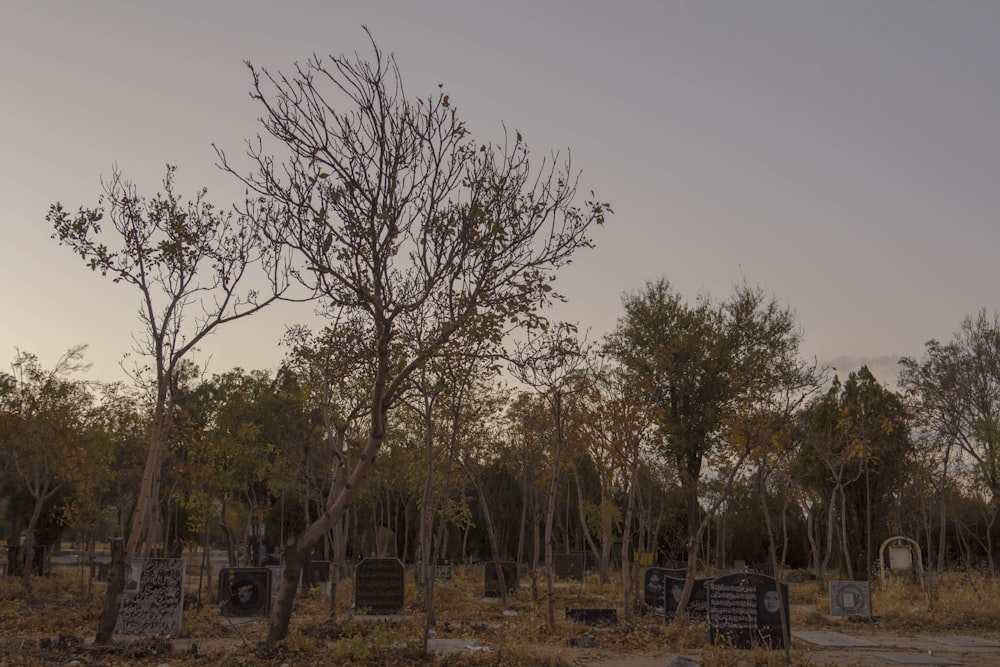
[627, 601]
[300, 545]
[142, 514]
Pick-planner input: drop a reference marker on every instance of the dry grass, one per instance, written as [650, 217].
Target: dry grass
[49, 626]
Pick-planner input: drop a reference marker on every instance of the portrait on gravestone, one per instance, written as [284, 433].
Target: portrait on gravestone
[317, 572]
[245, 592]
[153, 603]
[746, 609]
[654, 586]
[697, 606]
[379, 586]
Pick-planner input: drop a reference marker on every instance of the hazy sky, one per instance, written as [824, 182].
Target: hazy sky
[843, 155]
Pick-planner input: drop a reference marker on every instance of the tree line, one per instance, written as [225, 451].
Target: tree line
[694, 428]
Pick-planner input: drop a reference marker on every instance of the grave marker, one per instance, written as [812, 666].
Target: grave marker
[654, 584]
[245, 592]
[849, 597]
[316, 572]
[569, 566]
[592, 617]
[379, 585]
[153, 601]
[492, 581]
[697, 606]
[746, 609]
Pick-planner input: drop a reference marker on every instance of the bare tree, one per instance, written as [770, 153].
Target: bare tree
[390, 207]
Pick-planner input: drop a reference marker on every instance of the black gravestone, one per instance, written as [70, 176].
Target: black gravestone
[492, 581]
[245, 592]
[849, 597]
[594, 616]
[746, 609]
[316, 572]
[378, 586]
[569, 566]
[697, 606]
[654, 583]
[153, 601]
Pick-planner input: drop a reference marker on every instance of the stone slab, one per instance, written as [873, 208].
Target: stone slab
[446, 645]
[962, 640]
[832, 639]
[917, 659]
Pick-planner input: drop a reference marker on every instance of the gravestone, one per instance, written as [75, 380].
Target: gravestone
[746, 609]
[492, 581]
[654, 584]
[441, 571]
[316, 572]
[569, 566]
[697, 606]
[153, 600]
[849, 597]
[592, 616]
[379, 585]
[245, 592]
[276, 573]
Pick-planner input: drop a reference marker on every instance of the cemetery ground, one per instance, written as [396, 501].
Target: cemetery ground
[55, 622]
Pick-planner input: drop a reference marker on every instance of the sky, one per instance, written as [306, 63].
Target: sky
[844, 156]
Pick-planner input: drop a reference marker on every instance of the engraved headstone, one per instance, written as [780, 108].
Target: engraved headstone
[697, 606]
[746, 608]
[153, 600]
[492, 581]
[245, 592]
[379, 585]
[569, 566]
[849, 597]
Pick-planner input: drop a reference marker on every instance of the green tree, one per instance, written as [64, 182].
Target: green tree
[955, 394]
[42, 430]
[723, 380]
[195, 269]
[390, 207]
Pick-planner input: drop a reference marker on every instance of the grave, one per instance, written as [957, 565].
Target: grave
[378, 586]
[833, 639]
[492, 581]
[442, 570]
[654, 583]
[697, 606]
[592, 616]
[245, 592]
[316, 572]
[746, 609]
[277, 571]
[569, 566]
[153, 600]
[849, 597]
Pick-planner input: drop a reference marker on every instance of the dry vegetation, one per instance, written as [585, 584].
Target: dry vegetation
[53, 626]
